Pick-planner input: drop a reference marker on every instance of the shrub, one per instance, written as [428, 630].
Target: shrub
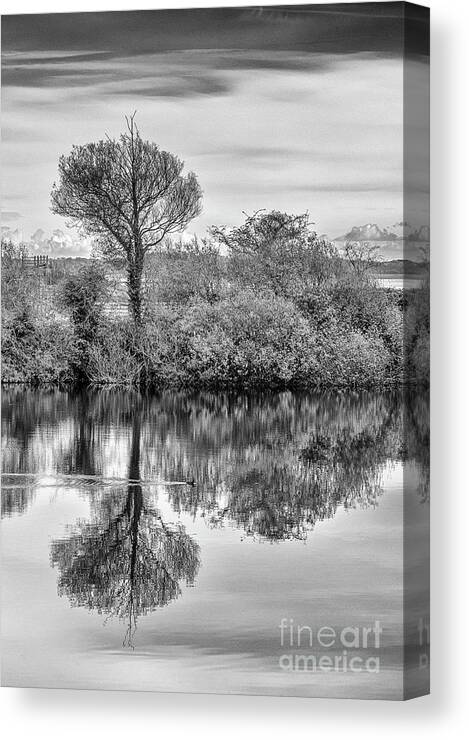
[36, 354]
[292, 313]
[112, 359]
[417, 334]
[420, 358]
[36, 345]
[83, 295]
[360, 303]
[354, 359]
[243, 340]
[182, 272]
[278, 252]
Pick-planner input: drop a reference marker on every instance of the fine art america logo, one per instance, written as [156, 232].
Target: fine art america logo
[329, 649]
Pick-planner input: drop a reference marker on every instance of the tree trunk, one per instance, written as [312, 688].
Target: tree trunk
[134, 286]
[134, 492]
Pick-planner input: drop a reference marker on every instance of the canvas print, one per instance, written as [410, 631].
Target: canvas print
[215, 350]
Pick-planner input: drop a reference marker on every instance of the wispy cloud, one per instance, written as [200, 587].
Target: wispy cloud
[8, 216]
[278, 109]
[170, 74]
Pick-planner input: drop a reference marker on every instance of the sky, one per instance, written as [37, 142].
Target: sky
[295, 108]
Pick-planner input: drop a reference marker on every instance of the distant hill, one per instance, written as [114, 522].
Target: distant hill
[399, 267]
[391, 241]
[367, 233]
[420, 235]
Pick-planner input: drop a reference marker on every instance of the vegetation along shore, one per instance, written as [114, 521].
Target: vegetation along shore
[265, 304]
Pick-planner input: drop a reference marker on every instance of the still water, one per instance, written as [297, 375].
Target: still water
[400, 282]
[201, 542]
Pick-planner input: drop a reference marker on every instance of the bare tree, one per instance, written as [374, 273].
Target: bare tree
[360, 256]
[278, 251]
[129, 195]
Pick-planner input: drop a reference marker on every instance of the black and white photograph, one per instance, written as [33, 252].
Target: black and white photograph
[215, 313]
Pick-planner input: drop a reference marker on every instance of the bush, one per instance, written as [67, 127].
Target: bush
[353, 359]
[36, 354]
[291, 313]
[182, 272]
[36, 346]
[244, 340]
[112, 359]
[360, 304]
[83, 296]
[251, 341]
[420, 358]
[417, 334]
[275, 251]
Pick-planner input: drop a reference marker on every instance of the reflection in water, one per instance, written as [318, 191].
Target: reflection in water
[17, 495]
[127, 561]
[416, 438]
[271, 465]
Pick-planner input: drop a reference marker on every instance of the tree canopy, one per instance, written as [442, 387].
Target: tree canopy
[279, 252]
[129, 195]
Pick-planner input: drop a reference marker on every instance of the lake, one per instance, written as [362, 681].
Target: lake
[400, 282]
[216, 543]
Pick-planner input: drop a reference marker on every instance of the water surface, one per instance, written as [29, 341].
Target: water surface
[161, 542]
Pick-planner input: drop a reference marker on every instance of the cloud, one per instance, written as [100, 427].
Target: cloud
[374, 186]
[22, 58]
[182, 86]
[8, 216]
[172, 74]
[268, 153]
[270, 112]
[265, 60]
[33, 69]
[337, 29]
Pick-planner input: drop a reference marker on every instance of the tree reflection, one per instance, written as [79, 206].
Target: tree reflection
[24, 411]
[17, 497]
[271, 464]
[80, 456]
[416, 438]
[128, 561]
[298, 467]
